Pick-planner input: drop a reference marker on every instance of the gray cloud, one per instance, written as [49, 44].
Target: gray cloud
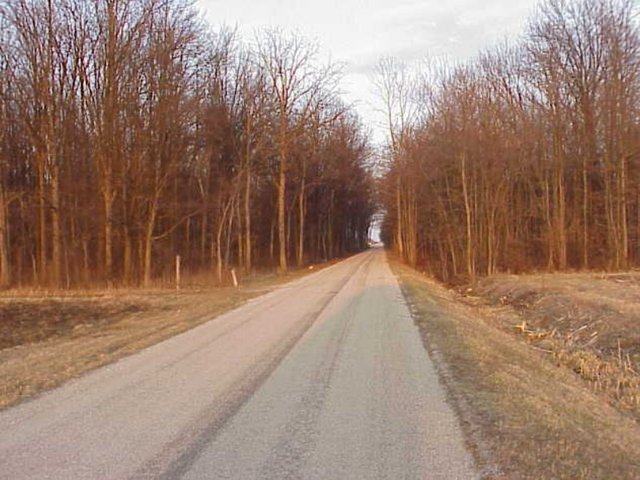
[360, 32]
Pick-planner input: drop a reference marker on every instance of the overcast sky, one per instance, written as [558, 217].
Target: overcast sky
[359, 32]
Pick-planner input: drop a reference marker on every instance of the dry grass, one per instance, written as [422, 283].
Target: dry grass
[589, 323]
[24, 321]
[524, 417]
[49, 337]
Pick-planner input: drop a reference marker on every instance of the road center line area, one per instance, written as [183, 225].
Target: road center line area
[324, 378]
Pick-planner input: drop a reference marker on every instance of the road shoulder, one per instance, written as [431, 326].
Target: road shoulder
[50, 338]
[523, 417]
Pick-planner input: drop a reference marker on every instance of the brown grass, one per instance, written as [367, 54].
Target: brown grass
[589, 323]
[524, 417]
[49, 337]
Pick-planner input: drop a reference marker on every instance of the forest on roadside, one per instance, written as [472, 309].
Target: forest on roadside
[132, 132]
[525, 158]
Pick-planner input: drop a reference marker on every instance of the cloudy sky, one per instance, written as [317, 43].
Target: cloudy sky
[359, 32]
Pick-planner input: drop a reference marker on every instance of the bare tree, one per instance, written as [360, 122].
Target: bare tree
[298, 87]
[130, 133]
[526, 154]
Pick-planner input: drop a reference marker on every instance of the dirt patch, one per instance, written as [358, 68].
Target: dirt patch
[47, 338]
[524, 417]
[30, 321]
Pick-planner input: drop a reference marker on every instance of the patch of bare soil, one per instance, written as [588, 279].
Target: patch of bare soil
[524, 416]
[47, 338]
[30, 321]
[589, 323]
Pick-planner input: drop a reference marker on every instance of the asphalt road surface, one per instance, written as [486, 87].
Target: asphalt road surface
[324, 378]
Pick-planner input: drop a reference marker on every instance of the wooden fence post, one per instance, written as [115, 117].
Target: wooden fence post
[177, 272]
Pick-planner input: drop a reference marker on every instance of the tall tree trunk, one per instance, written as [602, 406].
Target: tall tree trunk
[127, 257]
[471, 271]
[239, 232]
[301, 216]
[272, 241]
[126, 233]
[42, 223]
[108, 235]
[231, 216]
[247, 222]
[218, 242]
[148, 247]
[56, 252]
[622, 213]
[5, 261]
[330, 236]
[399, 238]
[282, 234]
[585, 216]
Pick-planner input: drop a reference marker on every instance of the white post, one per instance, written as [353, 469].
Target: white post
[177, 272]
[233, 276]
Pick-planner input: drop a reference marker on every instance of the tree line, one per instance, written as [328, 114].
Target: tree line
[131, 132]
[525, 158]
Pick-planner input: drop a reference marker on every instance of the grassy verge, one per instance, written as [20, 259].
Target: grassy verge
[47, 338]
[524, 417]
[587, 322]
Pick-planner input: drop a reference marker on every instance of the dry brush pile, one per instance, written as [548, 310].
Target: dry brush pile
[585, 322]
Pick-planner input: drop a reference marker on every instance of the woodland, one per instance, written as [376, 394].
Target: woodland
[132, 132]
[526, 158]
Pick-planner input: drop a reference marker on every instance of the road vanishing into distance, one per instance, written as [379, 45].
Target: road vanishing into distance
[324, 378]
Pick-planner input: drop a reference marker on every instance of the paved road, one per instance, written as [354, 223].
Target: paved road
[325, 378]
